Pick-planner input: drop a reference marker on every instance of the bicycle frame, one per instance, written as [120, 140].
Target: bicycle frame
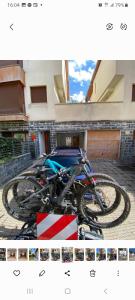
[53, 165]
[76, 171]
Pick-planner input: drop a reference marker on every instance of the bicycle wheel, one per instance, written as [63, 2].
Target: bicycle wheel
[106, 220]
[14, 203]
[27, 232]
[26, 175]
[109, 204]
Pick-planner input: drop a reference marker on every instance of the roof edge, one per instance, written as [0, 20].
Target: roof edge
[90, 89]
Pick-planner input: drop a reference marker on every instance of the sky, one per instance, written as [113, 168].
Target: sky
[80, 74]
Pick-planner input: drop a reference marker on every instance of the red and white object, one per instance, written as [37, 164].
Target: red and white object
[56, 227]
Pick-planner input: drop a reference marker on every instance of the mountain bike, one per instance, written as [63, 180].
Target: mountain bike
[69, 198]
[49, 167]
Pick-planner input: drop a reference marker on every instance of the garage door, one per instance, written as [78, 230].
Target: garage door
[103, 144]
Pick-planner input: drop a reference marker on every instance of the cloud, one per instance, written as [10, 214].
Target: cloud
[80, 63]
[80, 97]
[78, 70]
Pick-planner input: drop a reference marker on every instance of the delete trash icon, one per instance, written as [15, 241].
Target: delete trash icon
[92, 273]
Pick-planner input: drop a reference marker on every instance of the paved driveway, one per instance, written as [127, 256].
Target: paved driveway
[125, 177]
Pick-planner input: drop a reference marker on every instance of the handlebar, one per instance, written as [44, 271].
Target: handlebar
[64, 171]
[46, 156]
[83, 160]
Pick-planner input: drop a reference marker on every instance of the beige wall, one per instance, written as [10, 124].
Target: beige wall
[127, 67]
[95, 111]
[110, 70]
[41, 73]
[105, 74]
[118, 92]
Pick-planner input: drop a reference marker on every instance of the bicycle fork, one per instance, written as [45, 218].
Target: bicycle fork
[98, 197]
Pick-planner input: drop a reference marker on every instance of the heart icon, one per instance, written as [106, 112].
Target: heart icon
[16, 272]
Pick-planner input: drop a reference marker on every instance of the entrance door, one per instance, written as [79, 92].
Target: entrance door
[75, 141]
[47, 142]
[44, 142]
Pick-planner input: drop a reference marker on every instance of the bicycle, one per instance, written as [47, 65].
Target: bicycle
[57, 197]
[48, 166]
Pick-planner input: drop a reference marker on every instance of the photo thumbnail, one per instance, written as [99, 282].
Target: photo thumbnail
[67, 254]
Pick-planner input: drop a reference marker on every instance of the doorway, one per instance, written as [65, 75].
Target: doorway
[44, 142]
[71, 139]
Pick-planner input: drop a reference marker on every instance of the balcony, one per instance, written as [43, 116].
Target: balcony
[14, 117]
[12, 73]
[4, 63]
[110, 88]
[59, 88]
[12, 104]
[95, 111]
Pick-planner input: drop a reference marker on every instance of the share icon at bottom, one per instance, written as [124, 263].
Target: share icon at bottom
[67, 273]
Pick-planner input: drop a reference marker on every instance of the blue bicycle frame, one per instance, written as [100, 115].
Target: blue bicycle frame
[53, 165]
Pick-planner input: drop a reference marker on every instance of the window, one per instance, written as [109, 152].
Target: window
[38, 94]
[133, 92]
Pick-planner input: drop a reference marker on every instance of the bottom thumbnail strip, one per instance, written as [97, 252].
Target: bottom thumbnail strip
[67, 254]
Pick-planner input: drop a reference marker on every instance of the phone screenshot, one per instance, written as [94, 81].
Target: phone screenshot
[67, 149]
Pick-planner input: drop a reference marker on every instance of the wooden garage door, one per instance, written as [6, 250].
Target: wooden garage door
[103, 144]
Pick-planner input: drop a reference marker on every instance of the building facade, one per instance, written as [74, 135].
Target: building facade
[113, 88]
[34, 105]
[29, 91]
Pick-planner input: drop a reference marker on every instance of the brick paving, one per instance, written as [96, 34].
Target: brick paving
[9, 227]
[126, 178]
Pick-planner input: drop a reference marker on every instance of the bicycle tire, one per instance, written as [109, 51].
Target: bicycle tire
[92, 175]
[121, 218]
[5, 199]
[26, 176]
[117, 198]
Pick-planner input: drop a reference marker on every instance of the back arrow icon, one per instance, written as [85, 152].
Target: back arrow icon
[11, 26]
[106, 291]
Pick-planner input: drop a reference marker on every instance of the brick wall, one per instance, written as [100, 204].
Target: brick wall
[14, 126]
[126, 128]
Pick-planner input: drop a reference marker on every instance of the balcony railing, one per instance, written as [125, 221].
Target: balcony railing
[13, 117]
[5, 63]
